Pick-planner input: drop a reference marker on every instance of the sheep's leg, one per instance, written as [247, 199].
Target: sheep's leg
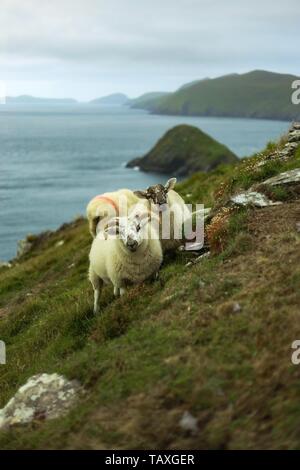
[122, 290]
[96, 300]
[116, 291]
[97, 286]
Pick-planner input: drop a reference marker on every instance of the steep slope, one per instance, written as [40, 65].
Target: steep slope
[183, 150]
[257, 94]
[213, 338]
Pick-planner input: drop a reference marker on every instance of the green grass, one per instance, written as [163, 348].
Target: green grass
[168, 346]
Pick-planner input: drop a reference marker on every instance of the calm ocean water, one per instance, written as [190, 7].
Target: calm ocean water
[54, 159]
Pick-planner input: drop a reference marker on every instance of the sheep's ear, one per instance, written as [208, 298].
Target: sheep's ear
[142, 194]
[112, 228]
[170, 184]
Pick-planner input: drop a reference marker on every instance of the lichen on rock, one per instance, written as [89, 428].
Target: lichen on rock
[43, 396]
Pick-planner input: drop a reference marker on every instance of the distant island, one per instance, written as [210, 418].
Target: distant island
[28, 99]
[114, 99]
[184, 150]
[257, 94]
[145, 100]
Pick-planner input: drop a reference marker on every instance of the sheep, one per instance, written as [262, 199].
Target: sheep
[109, 205]
[130, 257]
[173, 212]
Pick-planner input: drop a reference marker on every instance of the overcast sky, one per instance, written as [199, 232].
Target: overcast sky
[89, 48]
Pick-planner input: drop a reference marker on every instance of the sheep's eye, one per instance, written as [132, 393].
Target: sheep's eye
[138, 228]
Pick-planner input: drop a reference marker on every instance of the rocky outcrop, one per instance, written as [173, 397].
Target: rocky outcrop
[287, 177]
[44, 396]
[257, 198]
[293, 142]
[24, 246]
[252, 197]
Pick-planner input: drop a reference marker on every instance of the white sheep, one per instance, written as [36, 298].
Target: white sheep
[127, 252]
[109, 205]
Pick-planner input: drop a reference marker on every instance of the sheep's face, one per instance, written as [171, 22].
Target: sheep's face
[158, 194]
[130, 237]
[131, 230]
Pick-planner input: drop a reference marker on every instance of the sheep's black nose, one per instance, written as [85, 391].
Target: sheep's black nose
[132, 244]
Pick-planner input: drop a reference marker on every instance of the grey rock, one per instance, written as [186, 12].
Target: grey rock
[285, 153]
[189, 423]
[291, 146]
[252, 197]
[24, 246]
[236, 307]
[294, 136]
[44, 396]
[287, 177]
[193, 246]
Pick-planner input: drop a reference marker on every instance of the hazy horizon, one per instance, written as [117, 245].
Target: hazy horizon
[130, 97]
[86, 49]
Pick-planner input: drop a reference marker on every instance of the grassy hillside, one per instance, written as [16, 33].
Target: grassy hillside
[169, 346]
[184, 150]
[257, 94]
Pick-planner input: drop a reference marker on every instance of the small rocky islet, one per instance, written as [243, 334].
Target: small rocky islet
[182, 151]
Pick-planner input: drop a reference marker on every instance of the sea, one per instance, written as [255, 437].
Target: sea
[54, 159]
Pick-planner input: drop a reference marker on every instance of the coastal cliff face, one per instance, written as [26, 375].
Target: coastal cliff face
[184, 150]
[199, 358]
